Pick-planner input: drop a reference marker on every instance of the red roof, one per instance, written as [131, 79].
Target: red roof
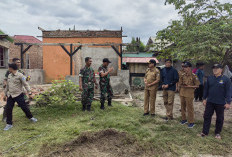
[138, 60]
[27, 38]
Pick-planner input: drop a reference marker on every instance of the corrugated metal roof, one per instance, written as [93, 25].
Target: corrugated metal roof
[27, 39]
[138, 60]
[137, 55]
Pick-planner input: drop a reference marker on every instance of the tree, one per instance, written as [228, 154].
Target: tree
[136, 45]
[203, 33]
[142, 47]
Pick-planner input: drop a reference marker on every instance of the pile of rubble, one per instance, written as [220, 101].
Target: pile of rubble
[38, 89]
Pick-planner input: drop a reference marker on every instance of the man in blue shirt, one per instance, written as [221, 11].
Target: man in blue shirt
[169, 77]
[200, 74]
[216, 98]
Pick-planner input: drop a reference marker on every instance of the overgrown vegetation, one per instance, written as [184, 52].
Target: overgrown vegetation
[58, 125]
[202, 33]
[136, 46]
[62, 92]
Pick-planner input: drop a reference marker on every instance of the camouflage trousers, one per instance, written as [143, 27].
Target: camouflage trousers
[106, 90]
[87, 96]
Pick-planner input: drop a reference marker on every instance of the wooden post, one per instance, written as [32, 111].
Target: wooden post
[71, 61]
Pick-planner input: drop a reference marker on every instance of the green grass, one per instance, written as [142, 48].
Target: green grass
[60, 124]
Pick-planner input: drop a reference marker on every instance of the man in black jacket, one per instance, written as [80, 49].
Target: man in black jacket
[217, 97]
[169, 77]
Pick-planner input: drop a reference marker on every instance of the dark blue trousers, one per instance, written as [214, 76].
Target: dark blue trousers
[209, 111]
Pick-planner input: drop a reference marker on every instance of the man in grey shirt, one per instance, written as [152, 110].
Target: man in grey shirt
[14, 93]
[18, 63]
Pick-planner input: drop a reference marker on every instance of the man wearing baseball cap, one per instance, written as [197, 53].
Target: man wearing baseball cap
[217, 97]
[104, 82]
[188, 83]
[151, 80]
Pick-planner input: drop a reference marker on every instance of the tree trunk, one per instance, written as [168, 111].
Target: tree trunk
[228, 58]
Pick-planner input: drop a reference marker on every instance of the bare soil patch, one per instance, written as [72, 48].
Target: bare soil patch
[105, 143]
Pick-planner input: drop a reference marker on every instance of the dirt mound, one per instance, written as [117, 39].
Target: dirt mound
[106, 143]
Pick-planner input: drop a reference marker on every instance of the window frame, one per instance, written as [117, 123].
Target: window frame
[4, 57]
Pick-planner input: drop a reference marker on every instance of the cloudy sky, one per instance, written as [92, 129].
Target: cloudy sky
[139, 18]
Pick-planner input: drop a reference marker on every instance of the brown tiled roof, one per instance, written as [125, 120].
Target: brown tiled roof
[27, 38]
[82, 34]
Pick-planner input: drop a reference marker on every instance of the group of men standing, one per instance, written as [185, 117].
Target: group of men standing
[87, 80]
[215, 93]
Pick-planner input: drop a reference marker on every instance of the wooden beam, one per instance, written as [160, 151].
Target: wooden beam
[21, 54]
[76, 50]
[74, 44]
[119, 54]
[28, 47]
[71, 53]
[65, 50]
[71, 58]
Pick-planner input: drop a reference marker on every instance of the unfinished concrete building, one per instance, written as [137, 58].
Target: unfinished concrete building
[56, 62]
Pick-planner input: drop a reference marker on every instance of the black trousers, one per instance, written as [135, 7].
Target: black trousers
[209, 111]
[10, 105]
[199, 92]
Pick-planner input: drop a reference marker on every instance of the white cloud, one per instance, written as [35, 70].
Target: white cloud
[139, 18]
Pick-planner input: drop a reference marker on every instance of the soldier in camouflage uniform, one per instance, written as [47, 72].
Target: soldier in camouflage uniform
[86, 84]
[18, 63]
[105, 86]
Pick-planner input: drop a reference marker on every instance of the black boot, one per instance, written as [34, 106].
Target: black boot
[102, 106]
[109, 103]
[89, 108]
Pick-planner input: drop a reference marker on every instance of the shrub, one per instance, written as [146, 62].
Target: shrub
[62, 92]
